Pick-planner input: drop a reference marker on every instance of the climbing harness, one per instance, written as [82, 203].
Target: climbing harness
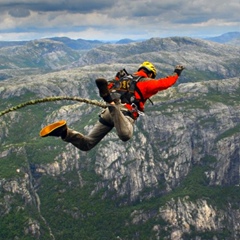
[135, 109]
[124, 88]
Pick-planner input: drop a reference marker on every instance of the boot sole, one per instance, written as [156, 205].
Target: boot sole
[51, 127]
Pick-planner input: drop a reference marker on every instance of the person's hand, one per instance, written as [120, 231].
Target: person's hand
[178, 69]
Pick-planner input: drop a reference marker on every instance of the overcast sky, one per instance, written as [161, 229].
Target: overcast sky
[117, 19]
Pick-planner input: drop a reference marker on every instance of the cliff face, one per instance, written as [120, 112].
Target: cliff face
[178, 177]
[191, 129]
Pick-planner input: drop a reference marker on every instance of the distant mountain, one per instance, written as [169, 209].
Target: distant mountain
[79, 44]
[83, 44]
[229, 37]
[12, 43]
[41, 54]
[125, 41]
[203, 59]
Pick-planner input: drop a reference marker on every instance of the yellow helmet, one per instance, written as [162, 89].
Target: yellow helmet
[149, 67]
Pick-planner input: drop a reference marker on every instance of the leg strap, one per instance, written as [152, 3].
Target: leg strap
[104, 122]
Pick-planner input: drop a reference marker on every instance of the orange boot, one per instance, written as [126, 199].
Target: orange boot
[56, 129]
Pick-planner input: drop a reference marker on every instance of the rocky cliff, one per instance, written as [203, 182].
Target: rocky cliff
[178, 178]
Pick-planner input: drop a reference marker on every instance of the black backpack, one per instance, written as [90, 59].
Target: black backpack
[124, 88]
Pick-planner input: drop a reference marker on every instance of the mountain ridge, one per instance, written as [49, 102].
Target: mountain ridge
[202, 58]
[83, 44]
[226, 37]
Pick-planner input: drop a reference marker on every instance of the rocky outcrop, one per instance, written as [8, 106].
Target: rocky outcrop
[186, 217]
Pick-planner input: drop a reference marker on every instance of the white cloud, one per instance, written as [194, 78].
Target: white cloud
[109, 19]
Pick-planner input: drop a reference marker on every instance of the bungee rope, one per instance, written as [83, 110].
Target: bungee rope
[50, 99]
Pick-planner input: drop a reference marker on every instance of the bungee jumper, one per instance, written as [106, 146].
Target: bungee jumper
[125, 97]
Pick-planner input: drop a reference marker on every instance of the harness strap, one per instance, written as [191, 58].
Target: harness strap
[125, 87]
[128, 114]
[139, 93]
[125, 113]
[149, 99]
[104, 122]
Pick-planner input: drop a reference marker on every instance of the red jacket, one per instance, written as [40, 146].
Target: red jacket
[149, 87]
